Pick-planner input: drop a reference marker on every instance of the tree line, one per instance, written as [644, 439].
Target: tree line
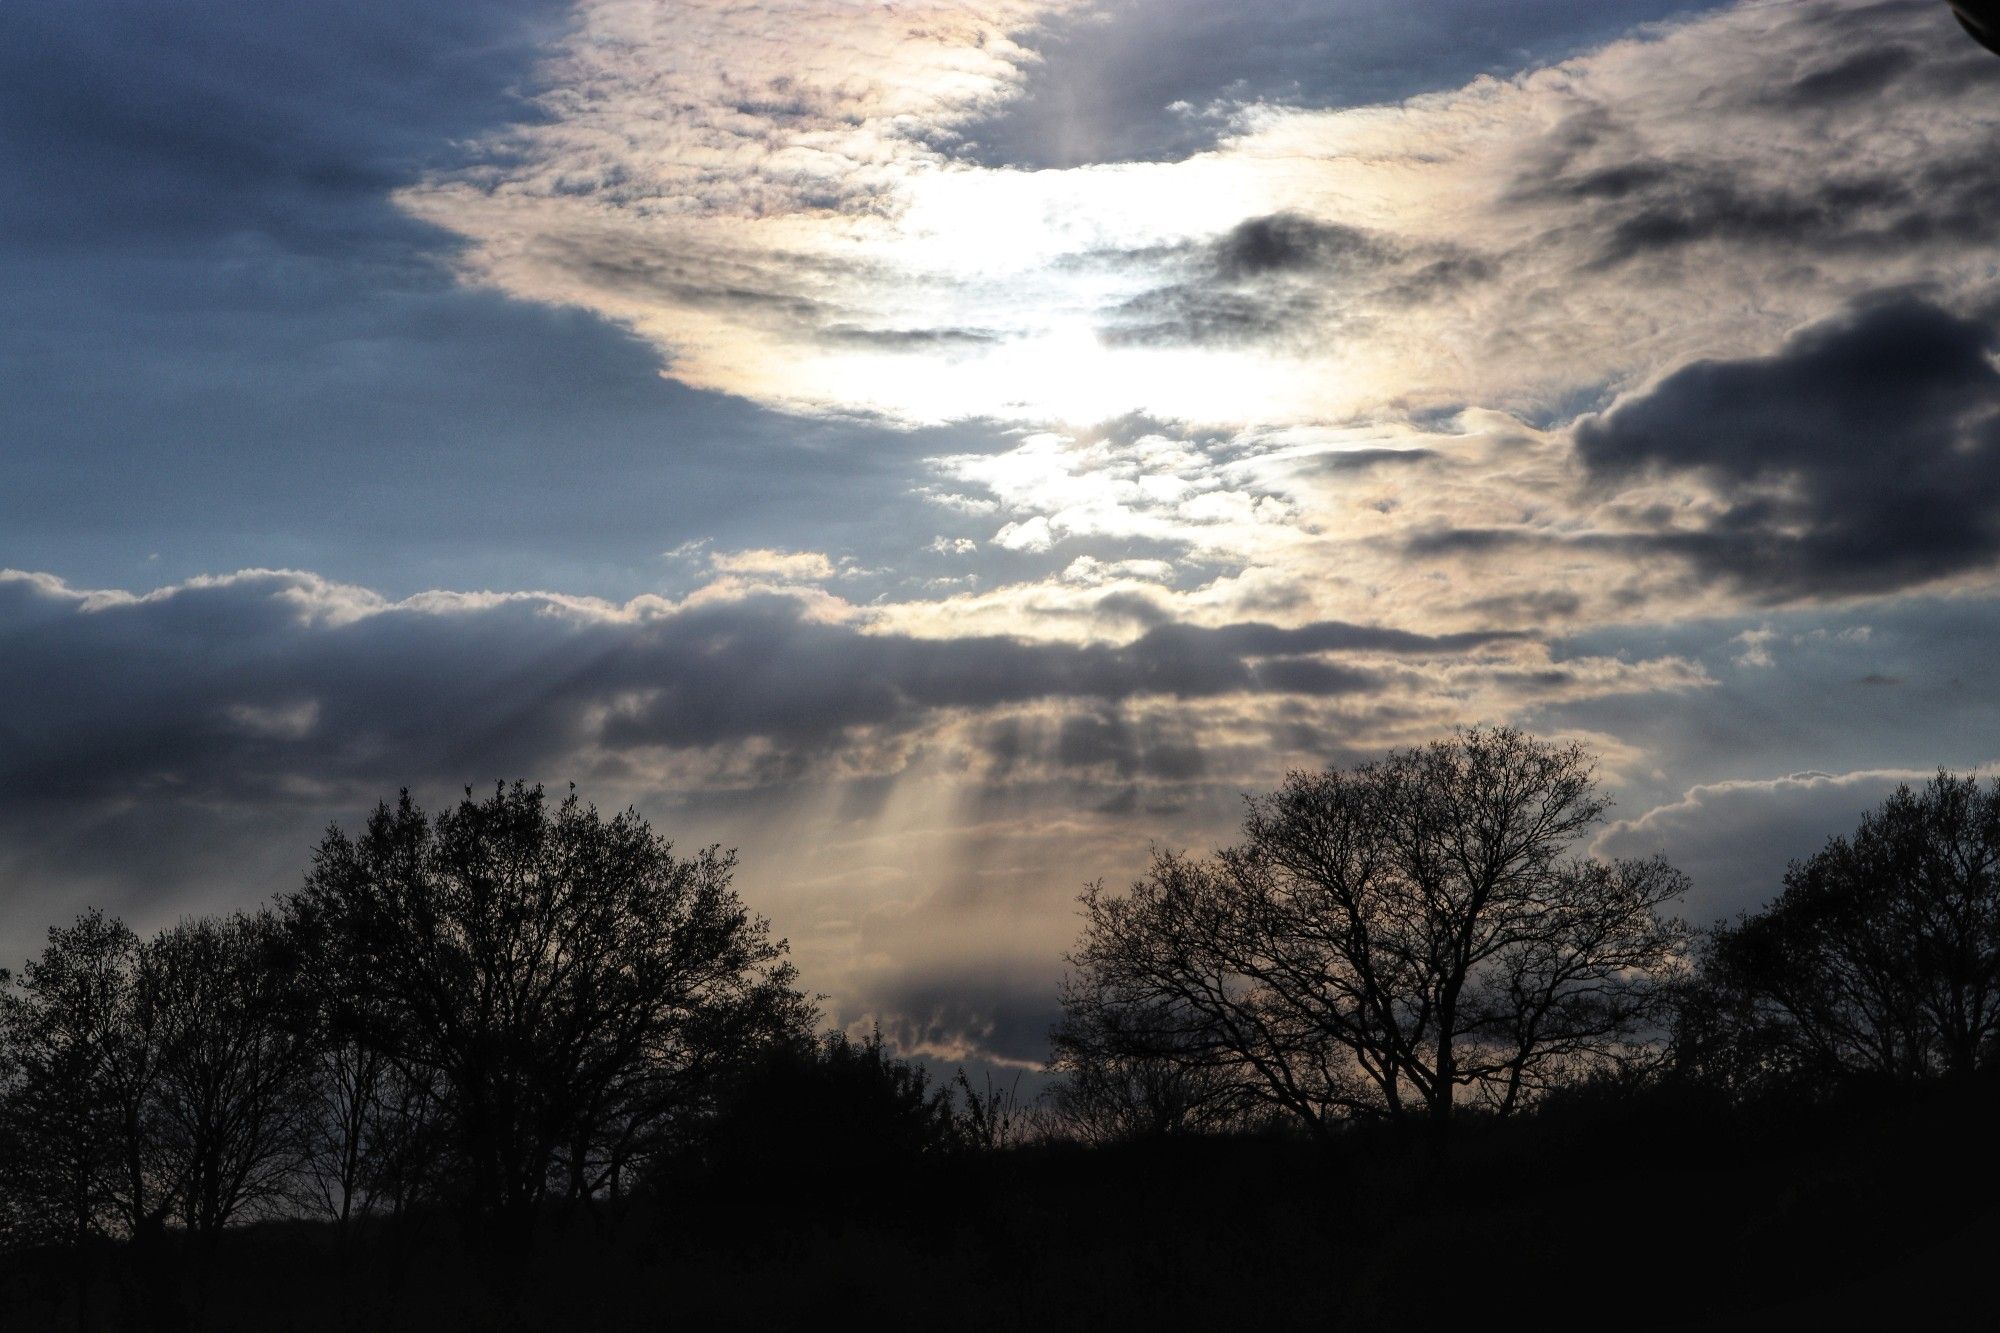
[1421, 937]
[515, 1005]
[501, 1004]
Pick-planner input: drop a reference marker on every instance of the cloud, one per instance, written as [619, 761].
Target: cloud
[783, 566]
[1757, 647]
[1002, 1017]
[1032, 534]
[180, 749]
[1518, 243]
[1126, 81]
[228, 347]
[772, 142]
[225, 685]
[1734, 839]
[280, 686]
[1863, 455]
[1288, 278]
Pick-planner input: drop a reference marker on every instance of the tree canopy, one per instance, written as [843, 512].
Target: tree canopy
[559, 981]
[1389, 935]
[1881, 956]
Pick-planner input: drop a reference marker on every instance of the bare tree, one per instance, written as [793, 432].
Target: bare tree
[1882, 954]
[1387, 936]
[65, 1030]
[341, 1119]
[554, 976]
[231, 1087]
[1129, 1075]
[1940, 850]
[77, 1151]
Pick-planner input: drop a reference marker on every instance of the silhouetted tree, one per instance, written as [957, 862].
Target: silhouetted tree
[554, 977]
[824, 1115]
[1387, 935]
[349, 1098]
[341, 1121]
[370, 1139]
[1129, 1073]
[80, 1068]
[15, 1222]
[77, 1115]
[1882, 954]
[1724, 1041]
[230, 1091]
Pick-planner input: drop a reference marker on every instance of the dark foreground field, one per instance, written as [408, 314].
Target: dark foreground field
[1876, 1209]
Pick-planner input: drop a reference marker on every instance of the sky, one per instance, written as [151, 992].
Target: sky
[947, 450]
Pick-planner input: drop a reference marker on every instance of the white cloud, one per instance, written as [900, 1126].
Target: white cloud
[1756, 647]
[1035, 534]
[780, 566]
[1735, 838]
[1092, 572]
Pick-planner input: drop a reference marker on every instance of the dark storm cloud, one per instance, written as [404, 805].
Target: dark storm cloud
[1361, 460]
[243, 682]
[1132, 607]
[1188, 315]
[759, 669]
[1528, 608]
[1157, 81]
[1862, 456]
[179, 752]
[767, 288]
[1846, 79]
[1258, 640]
[1262, 279]
[1290, 243]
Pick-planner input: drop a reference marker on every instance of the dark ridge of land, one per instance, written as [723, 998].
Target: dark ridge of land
[1656, 1211]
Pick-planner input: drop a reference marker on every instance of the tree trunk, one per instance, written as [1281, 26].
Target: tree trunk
[1444, 1077]
[1444, 1091]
